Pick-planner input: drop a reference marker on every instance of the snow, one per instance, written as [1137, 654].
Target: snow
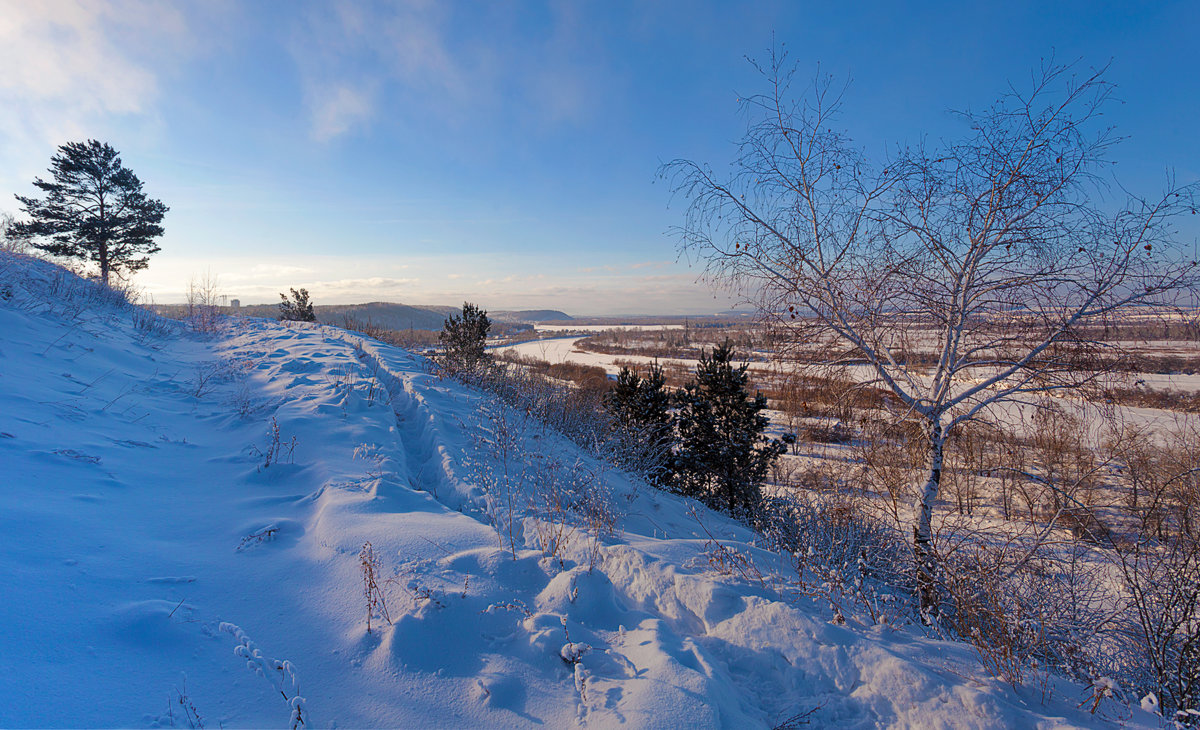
[570, 327]
[563, 349]
[572, 653]
[165, 498]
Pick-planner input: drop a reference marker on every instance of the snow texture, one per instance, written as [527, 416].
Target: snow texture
[144, 537]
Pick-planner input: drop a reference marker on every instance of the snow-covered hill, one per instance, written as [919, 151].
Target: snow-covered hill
[165, 500]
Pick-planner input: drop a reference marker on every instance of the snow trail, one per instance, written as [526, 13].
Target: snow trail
[141, 512]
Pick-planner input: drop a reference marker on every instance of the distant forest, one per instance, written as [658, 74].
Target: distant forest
[395, 316]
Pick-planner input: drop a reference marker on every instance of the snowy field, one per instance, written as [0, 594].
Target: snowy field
[167, 499]
[547, 327]
[564, 349]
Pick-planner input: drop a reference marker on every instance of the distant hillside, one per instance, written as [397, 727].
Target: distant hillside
[396, 316]
[386, 314]
[381, 314]
[530, 315]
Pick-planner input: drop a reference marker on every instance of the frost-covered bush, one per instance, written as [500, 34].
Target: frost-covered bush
[8, 263]
[574, 412]
[840, 553]
[533, 496]
[280, 673]
[37, 285]
[10, 243]
[1025, 602]
[148, 326]
[373, 594]
[204, 299]
[1161, 626]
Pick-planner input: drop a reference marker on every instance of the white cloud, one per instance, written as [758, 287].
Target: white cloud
[63, 52]
[264, 272]
[73, 69]
[651, 264]
[494, 283]
[355, 56]
[345, 50]
[335, 111]
[371, 284]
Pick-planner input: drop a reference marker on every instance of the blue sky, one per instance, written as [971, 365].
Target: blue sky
[505, 153]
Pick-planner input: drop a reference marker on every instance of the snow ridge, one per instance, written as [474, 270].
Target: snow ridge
[143, 528]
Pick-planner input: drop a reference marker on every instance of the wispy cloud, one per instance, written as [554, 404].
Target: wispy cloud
[372, 283]
[264, 272]
[494, 283]
[66, 53]
[356, 56]
[338, 109]
[71, 69]
[346, 51]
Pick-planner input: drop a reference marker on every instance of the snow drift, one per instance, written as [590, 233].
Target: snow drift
[167, 501]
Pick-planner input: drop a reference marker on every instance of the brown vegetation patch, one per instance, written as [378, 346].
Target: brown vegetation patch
[409, 339]
[1163, 399]
[587, 377]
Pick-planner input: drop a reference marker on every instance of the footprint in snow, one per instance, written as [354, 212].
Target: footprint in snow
[300, 365]
[277, 533]
[131, 444]
[152, 623]
[77, 455]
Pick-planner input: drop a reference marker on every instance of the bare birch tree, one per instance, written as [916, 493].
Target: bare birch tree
[962, 273]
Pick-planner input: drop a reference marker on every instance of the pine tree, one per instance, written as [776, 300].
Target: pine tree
[723, 456]
[643, 424]
[94, 210]
[464, 339]
[296, 309]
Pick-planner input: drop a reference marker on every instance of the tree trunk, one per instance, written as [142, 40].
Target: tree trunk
[104, 262]
[923, 531]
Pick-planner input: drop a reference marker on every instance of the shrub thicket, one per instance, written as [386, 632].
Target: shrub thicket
[643, 425]
[296, 309]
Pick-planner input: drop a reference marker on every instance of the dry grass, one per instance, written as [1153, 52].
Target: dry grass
[409, 339]
[376, 601]
[680, 344]
[588, 377]
[1180, 401]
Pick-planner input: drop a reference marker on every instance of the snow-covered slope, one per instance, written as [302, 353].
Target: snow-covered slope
[163, 498]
